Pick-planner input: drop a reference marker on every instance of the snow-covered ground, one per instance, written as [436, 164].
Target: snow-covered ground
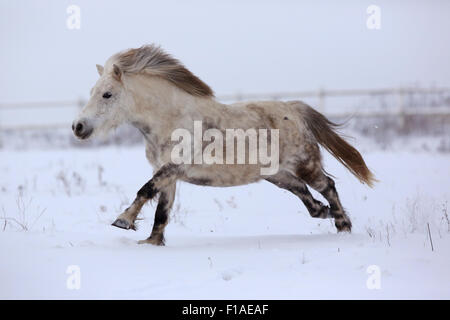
[250, 242]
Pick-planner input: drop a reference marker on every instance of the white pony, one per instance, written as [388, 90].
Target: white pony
[151, 90]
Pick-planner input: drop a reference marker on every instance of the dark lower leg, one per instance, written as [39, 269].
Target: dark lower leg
[315, 208]
[165, 202]
[326, 187]
[289, 182]
[163, 179]
[128, 217]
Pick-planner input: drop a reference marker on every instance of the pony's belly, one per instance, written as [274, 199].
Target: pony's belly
[223, 175]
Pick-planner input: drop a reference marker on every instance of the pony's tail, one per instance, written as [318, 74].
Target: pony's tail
[325, 133]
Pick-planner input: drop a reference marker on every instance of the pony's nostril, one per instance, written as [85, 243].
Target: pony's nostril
[79, 128]
[82, 129]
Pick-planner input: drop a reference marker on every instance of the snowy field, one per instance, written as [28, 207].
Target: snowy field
[250, 242]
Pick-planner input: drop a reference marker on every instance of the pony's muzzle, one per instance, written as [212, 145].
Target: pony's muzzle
[82, 129]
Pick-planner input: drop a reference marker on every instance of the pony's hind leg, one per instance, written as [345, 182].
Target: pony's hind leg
[326, 187]
[288, 181]
[165, 202]
[310, 171]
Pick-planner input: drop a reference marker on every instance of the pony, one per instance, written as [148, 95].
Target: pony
[151, 90]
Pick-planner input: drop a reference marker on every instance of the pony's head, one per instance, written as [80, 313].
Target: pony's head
[107, 105]
[116, 94]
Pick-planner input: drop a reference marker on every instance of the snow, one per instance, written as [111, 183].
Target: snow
[249, 242]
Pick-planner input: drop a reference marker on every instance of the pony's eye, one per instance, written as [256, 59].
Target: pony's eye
[107, 95]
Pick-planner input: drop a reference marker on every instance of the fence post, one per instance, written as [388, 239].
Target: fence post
[401, 109]
[321, 96]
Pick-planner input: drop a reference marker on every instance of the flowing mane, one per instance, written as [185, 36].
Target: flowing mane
[152, 60]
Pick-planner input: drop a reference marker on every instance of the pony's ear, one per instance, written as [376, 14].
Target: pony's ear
[117, 73]
[99, 69]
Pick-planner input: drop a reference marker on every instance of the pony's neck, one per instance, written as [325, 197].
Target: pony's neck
[160, 103]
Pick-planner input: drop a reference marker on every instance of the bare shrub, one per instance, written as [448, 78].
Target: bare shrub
[22, 217]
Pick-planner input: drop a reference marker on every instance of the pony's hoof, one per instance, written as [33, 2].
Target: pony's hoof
[154, 241]
[123, 224]
[344, 226]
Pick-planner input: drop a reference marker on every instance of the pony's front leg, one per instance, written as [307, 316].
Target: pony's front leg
[165, 177]
[165, 202]
[128, 217]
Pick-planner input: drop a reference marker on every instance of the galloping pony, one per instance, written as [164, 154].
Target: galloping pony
[151, 90]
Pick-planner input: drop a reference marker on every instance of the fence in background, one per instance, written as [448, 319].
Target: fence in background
[354, 102]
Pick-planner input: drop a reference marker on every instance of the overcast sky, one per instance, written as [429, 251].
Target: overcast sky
[256, 46]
